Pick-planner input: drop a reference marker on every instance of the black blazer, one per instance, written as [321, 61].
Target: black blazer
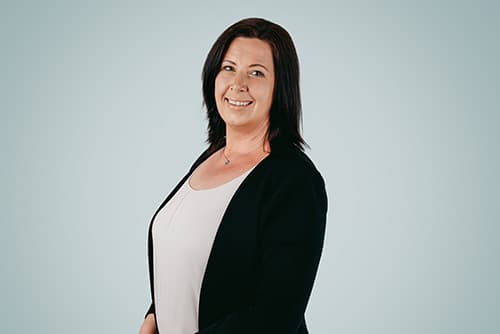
[266, 251]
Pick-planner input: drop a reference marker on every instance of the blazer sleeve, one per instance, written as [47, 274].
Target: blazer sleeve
[292, 238]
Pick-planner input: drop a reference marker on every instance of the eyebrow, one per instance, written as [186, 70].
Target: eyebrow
[251, 65]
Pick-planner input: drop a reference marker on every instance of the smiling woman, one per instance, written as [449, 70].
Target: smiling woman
[244, 87]
[235, 246]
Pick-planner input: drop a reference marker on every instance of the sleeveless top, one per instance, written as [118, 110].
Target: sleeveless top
[183, 234]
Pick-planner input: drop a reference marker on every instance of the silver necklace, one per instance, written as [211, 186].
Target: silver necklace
[226, 160]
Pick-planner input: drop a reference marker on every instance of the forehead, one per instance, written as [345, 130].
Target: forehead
[249, 50]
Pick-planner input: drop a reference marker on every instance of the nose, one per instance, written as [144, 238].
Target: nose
[240, 83]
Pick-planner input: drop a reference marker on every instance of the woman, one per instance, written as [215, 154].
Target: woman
[235, 246]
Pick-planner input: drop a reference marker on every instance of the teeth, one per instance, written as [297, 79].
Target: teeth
[239, 103]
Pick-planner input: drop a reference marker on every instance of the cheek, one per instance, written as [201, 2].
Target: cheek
[268, 93]
[220, 84]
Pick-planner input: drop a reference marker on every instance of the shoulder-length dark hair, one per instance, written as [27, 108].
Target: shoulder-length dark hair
[285, 117]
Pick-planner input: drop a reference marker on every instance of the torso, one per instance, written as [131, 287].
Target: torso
[213, 172]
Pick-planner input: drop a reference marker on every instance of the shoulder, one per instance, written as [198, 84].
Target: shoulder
[202, 157]
[291, 162]
[290, 174]
[293, 188]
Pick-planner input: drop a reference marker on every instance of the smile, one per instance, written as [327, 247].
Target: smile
[237, 103]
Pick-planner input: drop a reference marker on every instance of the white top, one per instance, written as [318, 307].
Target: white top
[183, 234]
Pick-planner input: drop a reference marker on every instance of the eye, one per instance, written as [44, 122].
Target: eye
[256, 73]
[227, 68]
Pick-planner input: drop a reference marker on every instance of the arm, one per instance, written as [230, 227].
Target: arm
[149, 324]
[291, 243]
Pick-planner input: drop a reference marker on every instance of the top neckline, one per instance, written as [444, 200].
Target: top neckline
[220, 185]
[205, 156]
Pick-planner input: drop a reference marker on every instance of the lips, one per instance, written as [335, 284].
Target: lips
[238, 103]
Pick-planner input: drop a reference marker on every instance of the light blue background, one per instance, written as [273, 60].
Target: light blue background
[101, 115]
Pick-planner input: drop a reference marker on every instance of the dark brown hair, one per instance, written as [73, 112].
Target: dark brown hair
[285, 117]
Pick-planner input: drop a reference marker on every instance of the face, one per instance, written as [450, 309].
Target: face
[245, 83]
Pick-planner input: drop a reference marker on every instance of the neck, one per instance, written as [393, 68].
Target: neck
[243, 142]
